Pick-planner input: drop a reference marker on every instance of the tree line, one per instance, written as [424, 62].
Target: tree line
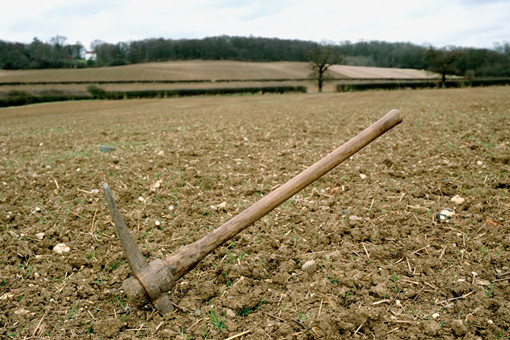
[448, 60]
[40, 55]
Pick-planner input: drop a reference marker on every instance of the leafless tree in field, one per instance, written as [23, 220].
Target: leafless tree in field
[321, 58]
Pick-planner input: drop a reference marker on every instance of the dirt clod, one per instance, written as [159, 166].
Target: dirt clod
[108, 328]
[459, 328]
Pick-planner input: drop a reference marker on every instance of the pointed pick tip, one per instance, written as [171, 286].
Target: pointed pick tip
[106, 190]
[163, 304]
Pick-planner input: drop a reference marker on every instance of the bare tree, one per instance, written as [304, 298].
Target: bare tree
[321, 58]
[443, 61]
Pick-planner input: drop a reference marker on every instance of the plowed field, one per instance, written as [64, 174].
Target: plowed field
[357, 254]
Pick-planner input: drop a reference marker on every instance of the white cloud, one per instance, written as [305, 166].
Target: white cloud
[458, 22]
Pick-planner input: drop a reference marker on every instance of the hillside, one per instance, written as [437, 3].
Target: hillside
[201, 70]
[379, 72]
[161, 71]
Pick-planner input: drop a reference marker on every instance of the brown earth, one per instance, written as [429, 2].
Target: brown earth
[214, 74]
[204, 70]
[171, 70]
[380, 72]
[357, 254]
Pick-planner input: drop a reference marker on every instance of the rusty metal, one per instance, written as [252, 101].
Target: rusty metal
[154, 277]
[151, 281]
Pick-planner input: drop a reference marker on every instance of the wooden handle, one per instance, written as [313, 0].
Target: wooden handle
[188, 256]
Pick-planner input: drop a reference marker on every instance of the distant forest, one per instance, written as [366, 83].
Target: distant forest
[58, 54]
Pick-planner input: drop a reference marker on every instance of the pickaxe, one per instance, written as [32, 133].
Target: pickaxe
[152, 280]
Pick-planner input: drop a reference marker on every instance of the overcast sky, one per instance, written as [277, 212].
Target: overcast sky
[469, 23]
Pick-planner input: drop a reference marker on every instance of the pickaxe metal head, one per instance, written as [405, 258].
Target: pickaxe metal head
[151, 279]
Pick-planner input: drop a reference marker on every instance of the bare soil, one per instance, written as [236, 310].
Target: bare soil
[204, 70]
[214, 74]
[357, 254]
[172, 70]
[381, 72]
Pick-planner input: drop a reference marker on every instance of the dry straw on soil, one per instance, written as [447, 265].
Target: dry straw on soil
[358, 254]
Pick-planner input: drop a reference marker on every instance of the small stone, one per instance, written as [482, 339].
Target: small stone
[157, 223]
[363, 176]
[445, 215]
[483, 282]
[156, 185]
[106, 148]
[222, 205]
[448, 212]
[436, 315]
[355, 218]
[457, 199]
[7, 296]
[61, 248]
[335, 190]
[308, 265]
[171, 208]
[36, 275]
[141, 199]
[197, 312]
[21, 311]
[231, 313]
[40, 236]
[161, 153]
[479, 163]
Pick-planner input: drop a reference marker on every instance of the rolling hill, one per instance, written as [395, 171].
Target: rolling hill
[197, 70]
